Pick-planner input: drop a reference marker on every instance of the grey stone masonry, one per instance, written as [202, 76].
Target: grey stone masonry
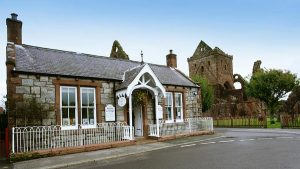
[41, 88]
[193, 107]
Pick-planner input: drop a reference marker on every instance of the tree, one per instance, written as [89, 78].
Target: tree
[292, 100]
[270, 86]
[207, 93]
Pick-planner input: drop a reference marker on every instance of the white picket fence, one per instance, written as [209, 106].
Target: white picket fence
[189, 125]
[27, 139]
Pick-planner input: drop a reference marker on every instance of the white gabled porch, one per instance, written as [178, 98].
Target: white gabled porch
[142, 77]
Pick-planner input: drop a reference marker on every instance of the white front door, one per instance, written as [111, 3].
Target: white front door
[138, 122]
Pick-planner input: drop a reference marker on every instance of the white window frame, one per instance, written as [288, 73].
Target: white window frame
[181, 107]
[172, 108]
[76, 109]
[95, 119]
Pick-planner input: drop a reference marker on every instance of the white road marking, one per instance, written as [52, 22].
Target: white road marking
[250, 139]
[209, 143]
[285, 137]
[242, 140]
[197, 141]
[226, 141]
[265, 138]
[189, 145]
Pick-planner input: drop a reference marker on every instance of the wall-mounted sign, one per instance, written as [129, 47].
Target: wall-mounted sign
[159, 112]
[121, 101]
[110, 113]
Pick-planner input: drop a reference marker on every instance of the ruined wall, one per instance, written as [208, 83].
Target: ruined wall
[213, 64]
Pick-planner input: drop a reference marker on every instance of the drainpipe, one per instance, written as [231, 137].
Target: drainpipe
[130, 117]
[157, 120]
[115, 100]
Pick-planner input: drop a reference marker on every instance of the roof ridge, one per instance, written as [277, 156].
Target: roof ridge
[79, 53]
[90, 55]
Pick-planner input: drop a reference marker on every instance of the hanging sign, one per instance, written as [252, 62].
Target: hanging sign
[122, 101]
[159, 112]
[110, 113]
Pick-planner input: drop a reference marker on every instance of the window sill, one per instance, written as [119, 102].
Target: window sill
[69, 127]
[88, 126]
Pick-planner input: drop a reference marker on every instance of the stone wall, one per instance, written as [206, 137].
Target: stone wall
[43, 90]
[193, 103]
[216, 68]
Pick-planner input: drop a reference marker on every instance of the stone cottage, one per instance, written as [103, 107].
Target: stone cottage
[79, 90]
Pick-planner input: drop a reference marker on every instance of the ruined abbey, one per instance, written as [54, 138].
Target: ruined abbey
[216, 66]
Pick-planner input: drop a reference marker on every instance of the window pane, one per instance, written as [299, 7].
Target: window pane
[178, 113]
[72, 116]
[64, 96]
[91, 99]
[72, 97]
[85, 120]
[84, 113]
[178, 99]
[84, 99]
[168, 99]
[65, 113]
[91, 116]
[65, 117]
[169, 113]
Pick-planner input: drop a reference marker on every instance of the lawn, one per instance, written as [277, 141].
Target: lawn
[244, 122]
[276, 125]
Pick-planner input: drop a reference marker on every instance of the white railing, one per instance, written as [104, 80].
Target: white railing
[189, 125]
[27, 139]
[152, 130]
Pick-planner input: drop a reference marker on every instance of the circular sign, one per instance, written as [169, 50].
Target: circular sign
[122, 101]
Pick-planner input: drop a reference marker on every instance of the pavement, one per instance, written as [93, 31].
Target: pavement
[94, 156]
[113, 153]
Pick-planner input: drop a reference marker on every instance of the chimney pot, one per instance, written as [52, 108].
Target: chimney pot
[14, 16]
[14, 29]
[171, 59]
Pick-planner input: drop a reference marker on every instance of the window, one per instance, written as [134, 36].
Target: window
[174, 109]
[178, 107]
[68, 107]
[169, 106]
[88, 108]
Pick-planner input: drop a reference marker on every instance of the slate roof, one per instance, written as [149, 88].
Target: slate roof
[34, 59]
[130, 76]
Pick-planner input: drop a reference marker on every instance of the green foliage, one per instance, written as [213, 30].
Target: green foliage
[139, 96]
[207, 93]
[30, 111]
[270, 86]
[117, 51]
[293, 98]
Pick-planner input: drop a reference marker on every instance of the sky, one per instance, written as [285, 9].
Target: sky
[250, 30]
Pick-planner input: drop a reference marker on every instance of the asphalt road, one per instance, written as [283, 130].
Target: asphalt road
[236, 149]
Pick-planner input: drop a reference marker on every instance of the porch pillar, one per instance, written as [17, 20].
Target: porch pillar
[130, 117]
[157, 120]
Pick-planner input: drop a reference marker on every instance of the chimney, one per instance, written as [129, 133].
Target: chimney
[14, 29]
[171, 60]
